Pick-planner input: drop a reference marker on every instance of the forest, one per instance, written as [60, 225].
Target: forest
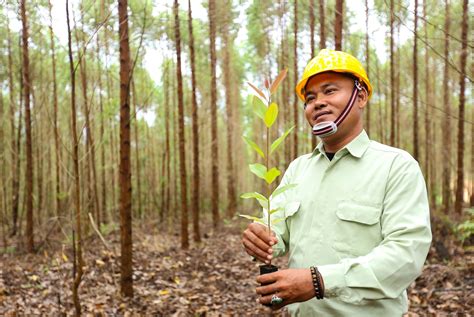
[124, 143]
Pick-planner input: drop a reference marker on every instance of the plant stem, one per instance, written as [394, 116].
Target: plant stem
[267, 158]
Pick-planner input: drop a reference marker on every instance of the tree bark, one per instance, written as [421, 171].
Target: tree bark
[182, 153]
[415, 86]
[367, 62]
[29, 147]
[392, 78]
[447, 117]
[295, 81]
[195, 129]
[322, 26]
[125, 181]
[15, 167]
[57, 151]
[78, 260]
[427, 166]
[103, 206]
[338, 24]
[214, 137]
[462, 84]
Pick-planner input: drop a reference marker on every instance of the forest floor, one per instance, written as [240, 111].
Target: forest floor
[215, 278]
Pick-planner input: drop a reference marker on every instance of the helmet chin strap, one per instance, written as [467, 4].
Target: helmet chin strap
[327, 128]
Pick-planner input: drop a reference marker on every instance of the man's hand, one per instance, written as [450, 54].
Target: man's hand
[292, 285]
[258, 242]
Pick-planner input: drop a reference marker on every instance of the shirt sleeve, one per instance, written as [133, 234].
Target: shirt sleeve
[390, 267]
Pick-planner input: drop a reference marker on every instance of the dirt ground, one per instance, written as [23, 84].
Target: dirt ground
[215, 278]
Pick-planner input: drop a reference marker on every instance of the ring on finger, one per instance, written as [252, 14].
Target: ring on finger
[276, 300]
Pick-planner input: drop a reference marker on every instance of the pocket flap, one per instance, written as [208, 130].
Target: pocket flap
[291, 208]
[358, 212]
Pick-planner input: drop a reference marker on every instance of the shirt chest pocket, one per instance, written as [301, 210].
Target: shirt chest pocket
[357, 227]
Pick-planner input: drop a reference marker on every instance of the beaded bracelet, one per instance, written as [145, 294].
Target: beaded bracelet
[317, 282]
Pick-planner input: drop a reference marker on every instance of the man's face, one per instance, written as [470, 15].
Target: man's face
[327, 94]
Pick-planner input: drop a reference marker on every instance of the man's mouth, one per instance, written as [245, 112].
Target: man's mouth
[320, 114]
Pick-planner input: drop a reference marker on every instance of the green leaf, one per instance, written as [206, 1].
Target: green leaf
[258, 169]
[262, 200]
[259, 107]
[271, 114]
[258, 91]
[277, 220]
[280, 190]
[253, 218]
[271, 175]
[274, 211]
[278, 141]
[254, 146]
[277, 81]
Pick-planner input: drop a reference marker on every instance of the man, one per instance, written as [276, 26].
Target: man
[357, 224]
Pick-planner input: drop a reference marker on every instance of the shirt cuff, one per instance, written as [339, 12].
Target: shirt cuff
[334, 280]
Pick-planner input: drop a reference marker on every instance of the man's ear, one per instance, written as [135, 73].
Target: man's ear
[362, 98]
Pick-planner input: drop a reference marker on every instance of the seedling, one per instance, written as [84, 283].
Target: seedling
[267, 110]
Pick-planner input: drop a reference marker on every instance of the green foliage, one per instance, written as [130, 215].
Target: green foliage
[268, 113]
[254, 146]
[465, 230]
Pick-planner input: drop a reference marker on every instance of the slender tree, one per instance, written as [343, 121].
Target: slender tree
[295, 80]
[77, 243]
[338, 24]
[29, 147]
[195, 129]
[447, 117]
[367, 60]
[57, 150]
[182, 153]
[322, 26]
[415, 86]
[214, 138]
[14, 143]
[392, 77]
[125, 180]
[462, 84]
[313, 53]
[228, 46]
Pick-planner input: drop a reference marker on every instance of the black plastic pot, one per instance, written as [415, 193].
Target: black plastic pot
[265, 269]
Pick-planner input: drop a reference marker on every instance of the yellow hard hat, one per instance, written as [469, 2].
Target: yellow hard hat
[333, 61]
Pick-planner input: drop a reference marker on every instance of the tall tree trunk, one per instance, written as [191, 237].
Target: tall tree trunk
[102, 210]
[427, 166]
[447, 117]
[338, 24]
[57, 151]
[125, 181]
[322, 26]
[195, 128]
[182, 153]
[232, 203]
[295, 81]
[14, 152]
[78, 260]
[137, 153]
[214, 137]
[367, 61]
[462, 83]
[415, 86]
[166, 182]
[29, 147]
[392, 78]
[312, 22]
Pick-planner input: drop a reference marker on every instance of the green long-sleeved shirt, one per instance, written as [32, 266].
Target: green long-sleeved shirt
[363, 220]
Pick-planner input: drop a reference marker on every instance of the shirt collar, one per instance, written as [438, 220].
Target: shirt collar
[356, 147]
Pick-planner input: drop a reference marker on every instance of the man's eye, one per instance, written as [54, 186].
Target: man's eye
[309, 99]
[329, 91]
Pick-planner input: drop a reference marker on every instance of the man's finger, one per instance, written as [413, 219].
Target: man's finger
[259, 242]
[255, 251]
[268, 278]
[262, 232]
